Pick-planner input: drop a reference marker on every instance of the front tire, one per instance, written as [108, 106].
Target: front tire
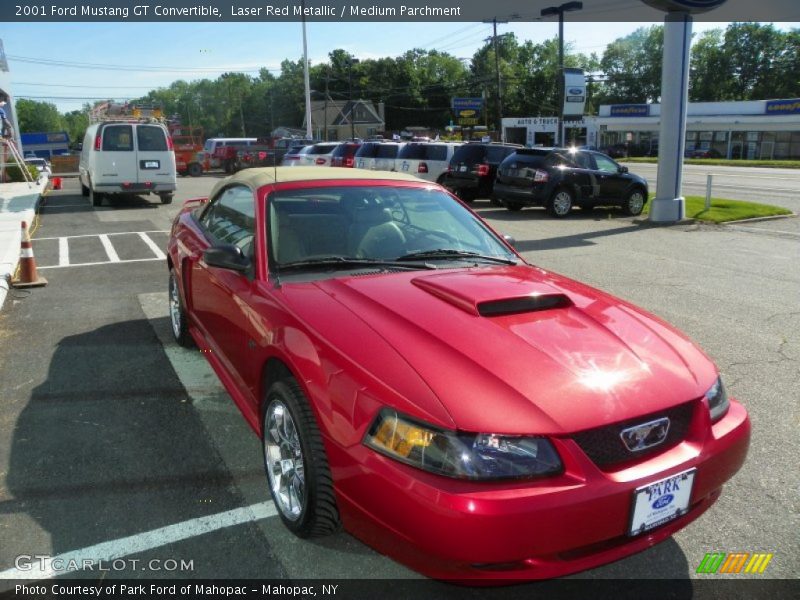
[634, 203]
[177, 314]
[195, 170]
[560, 204]
[297, 468]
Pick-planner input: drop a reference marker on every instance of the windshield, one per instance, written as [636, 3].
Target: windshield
[379, 223]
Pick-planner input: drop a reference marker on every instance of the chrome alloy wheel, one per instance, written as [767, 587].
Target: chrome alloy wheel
[562, 203]
[175, 315]
[284, 458]
[635, 203]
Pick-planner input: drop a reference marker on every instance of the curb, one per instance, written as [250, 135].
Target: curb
[759, 219]
[5, 275]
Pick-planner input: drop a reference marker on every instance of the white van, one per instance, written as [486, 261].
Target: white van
[426, 160]
[127, 157]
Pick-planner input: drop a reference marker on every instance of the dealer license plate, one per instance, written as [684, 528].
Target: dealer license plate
[660, 502]
[150, 164]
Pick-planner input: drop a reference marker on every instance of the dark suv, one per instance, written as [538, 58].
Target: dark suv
[472, 169]
[560, 178]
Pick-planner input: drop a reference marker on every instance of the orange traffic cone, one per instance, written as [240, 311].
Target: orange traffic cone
[28, 277]
[56, 183]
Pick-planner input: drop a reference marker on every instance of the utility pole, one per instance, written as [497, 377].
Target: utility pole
[350, 63]
[499, 115]
[327, 95]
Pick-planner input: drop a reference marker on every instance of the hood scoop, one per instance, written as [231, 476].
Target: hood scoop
[492, 294]
[510, 306]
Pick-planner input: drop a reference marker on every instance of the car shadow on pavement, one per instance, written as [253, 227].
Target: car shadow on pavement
[110, 446]
[572, 241]
[600, 213]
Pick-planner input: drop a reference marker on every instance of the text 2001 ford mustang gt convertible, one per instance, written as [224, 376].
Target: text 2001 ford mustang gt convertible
[415, 381]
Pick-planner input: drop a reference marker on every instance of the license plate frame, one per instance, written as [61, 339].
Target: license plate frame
[661, 501]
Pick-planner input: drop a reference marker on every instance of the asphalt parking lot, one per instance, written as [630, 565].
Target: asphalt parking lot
[116, 442]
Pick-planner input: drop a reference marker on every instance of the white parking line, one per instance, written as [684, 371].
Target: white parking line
[152, 245]
[142, 542]
[112, 254]
[84, 235]
[63, 252]
[102, 262]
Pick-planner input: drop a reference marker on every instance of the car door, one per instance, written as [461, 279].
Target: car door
[585, 177]
[155, 162]
[613, 182]
[222, 298]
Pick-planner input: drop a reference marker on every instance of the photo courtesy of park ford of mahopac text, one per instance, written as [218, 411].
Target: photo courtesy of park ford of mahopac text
[153, 539]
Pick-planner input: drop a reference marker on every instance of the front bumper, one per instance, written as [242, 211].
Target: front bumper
[450, 529]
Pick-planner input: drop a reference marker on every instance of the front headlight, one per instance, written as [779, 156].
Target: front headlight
[717, 400]
[461, 455]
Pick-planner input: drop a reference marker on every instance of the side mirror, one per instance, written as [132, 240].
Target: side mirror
[510, 240]
[623, 169]
[226, 256]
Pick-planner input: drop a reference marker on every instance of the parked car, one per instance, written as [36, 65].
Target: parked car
[413, 379]
[561, 178]
[41, 165]
[296, 155]
[319, 155]
[473, 168]
[365, 155]
[702, 153]
[386, 156]
[616, 150]
[344, 154]
[426, 160]
[127, 157]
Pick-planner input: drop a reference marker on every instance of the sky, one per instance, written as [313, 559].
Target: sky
[126, 60]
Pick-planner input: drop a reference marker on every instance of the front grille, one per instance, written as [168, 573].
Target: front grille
[605, 447]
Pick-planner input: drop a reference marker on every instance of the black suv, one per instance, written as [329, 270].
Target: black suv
[472, 169]
[560, 178]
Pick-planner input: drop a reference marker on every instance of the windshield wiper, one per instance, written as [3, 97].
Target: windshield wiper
[450, 254]
[346, 262]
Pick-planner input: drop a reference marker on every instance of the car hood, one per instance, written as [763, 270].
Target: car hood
[522, 350]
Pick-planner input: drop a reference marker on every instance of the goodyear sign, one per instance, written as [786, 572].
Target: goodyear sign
[467, 111]
[783, 107]
[630, 110]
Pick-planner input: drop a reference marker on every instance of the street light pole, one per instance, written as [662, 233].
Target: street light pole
[549, 12]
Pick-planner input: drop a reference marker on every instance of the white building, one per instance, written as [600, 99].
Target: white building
[757, 129]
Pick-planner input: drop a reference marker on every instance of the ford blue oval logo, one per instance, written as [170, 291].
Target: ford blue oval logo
[663, 501]
[576, 91]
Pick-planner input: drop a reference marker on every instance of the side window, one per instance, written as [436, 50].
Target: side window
[584, 160]
[150, 138]
[118, 138]
[230, 218]
[605, 164]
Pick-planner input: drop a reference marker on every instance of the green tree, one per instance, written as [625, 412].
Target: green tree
[632, 67]
[76, 122]
[33, 116]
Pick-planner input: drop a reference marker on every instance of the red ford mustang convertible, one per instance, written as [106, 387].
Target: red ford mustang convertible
[414, 380]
